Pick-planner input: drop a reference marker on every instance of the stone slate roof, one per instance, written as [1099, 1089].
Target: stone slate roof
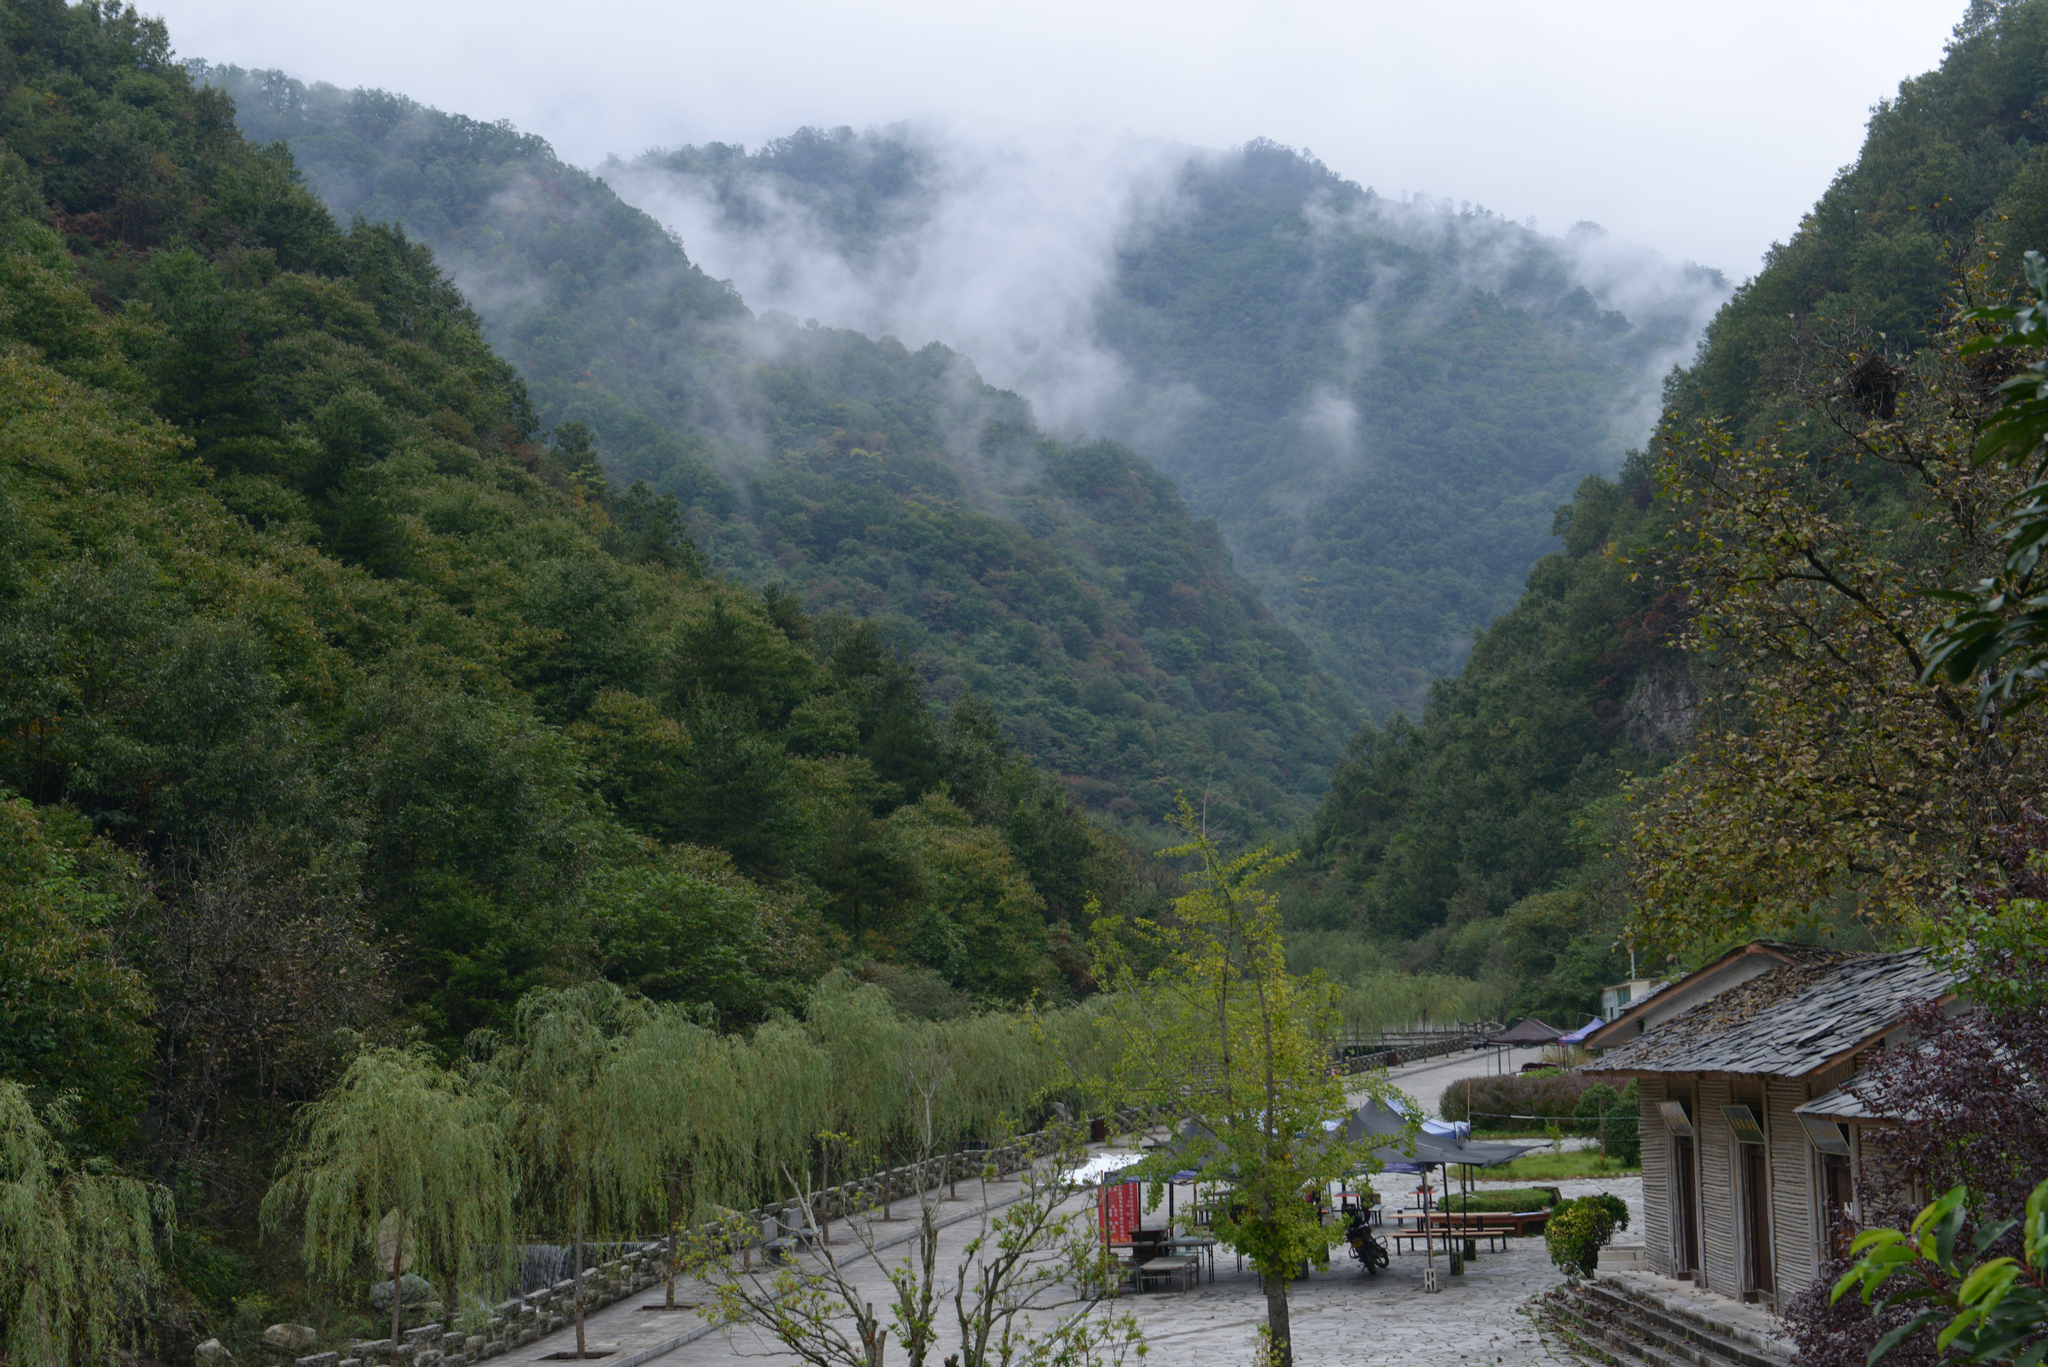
[1790, 1021]
[1838, 1104]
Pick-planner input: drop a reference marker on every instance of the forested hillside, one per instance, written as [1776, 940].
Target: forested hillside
[1380, 402]
[341, 701]
[1704, 719]
[1065, 585]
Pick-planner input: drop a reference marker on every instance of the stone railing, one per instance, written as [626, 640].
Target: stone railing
[523, 1319]
[1394, 1047]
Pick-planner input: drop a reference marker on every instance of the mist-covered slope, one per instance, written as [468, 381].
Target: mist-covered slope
[1065, 582]
[1381, 402]
[1489, 838]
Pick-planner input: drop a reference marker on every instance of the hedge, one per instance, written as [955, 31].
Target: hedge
[1513, 1199]
[1553, 1096]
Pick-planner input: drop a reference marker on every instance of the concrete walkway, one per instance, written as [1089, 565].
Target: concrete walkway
[637, 1329]
[1339, 1316]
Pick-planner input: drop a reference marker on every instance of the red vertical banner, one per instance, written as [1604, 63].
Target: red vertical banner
[1120, 1210]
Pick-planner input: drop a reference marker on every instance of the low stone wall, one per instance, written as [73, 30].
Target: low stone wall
[523, 1319]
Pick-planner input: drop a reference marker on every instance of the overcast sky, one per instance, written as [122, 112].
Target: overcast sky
[1701, 130]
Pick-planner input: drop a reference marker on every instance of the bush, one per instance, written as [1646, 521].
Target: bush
[1515, 1198]
[1578, 1230]
[1551, 1096]
[1616, 1114]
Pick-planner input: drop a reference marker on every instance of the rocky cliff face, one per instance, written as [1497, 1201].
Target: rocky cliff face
[1658, 713]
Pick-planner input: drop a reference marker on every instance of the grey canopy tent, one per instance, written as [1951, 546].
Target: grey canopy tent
[1431, 1150]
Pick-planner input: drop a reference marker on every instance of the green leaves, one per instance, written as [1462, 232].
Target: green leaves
[399, 1133]
[78, 1242]
[1998, 633]
[1993, 1306]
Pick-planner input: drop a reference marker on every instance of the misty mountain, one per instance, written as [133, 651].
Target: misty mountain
[1381, 402]
[1065, 581]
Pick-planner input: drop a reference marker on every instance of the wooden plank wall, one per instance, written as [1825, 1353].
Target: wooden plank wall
[1717, 1184]
[1795, 1240]
[1656, 1176]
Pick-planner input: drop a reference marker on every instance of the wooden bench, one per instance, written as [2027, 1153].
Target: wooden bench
[1496, 1239]
[1517, 1220]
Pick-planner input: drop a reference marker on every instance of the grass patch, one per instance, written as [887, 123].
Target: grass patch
[1514, 1199]
[1554, 1167]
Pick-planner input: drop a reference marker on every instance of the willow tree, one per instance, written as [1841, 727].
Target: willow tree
[997, 1069]
[677, 1086]
[577, 1147]
[784, 1081]
[399, 1139]
[1220, 1037]
[77, 1245]
[857, 1029]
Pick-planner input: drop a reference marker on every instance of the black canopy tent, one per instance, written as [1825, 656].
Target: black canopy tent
[1431, 1150]
[1526, 1033]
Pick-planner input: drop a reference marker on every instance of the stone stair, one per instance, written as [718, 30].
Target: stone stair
[1619, 1320]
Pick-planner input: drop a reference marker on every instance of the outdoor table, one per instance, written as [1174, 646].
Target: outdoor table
[1198, 1245]
[1181, 1273]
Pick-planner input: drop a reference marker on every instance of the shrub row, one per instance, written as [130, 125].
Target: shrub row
[1513, 1199]
[1553, 1096]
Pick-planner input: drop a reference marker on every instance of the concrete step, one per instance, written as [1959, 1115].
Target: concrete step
[1736, 1343]
[1656, 1335]
[1594, 1337]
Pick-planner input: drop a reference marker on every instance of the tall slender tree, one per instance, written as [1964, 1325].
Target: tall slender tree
[678, 1087]
[1220, 1038]
[577, 1146]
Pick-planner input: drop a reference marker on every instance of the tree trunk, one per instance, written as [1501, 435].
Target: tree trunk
[824, 1186]
[1276, 1319]
[669, 1303]
[953, 1172]
[888, 1181]
[579, 1286]
[397, 1278]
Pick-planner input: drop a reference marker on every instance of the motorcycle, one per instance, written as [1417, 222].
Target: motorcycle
[1365, 1245]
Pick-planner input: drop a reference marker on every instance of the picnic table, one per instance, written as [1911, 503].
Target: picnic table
[1518, 1220]
[1196, 1246]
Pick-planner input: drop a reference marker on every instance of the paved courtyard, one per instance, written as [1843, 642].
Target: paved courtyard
[1339, 1316]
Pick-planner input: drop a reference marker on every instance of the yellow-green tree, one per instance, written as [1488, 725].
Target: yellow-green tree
[400, 1138]
[1220, 1039]
[1824, 778]
[580, 1154]
[678, 1087]
[77, 1243]
[975, 917]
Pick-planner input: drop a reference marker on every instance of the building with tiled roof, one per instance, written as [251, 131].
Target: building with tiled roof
[1750, 1146]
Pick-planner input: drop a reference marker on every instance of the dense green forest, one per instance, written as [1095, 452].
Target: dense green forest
[339, 699]
[1379, 401]
[378, 647]
[1066, 585]
[1554, 804]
